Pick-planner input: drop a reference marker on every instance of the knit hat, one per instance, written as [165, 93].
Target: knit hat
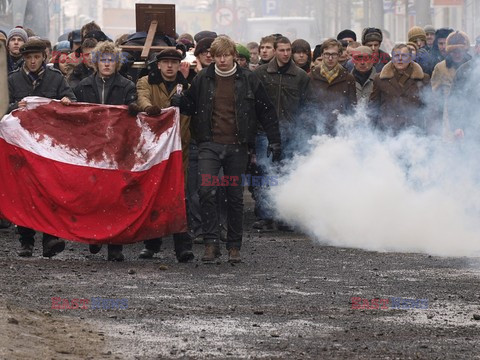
[203, 35]
[17, 32]
[203, 45]
[429, 29]
[169, 54]
[347, 33]
[371, 34]
[243, 52]
[415, 33]
[32, 46]
[457, 40]
[317, 52]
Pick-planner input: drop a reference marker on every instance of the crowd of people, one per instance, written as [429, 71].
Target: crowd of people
[243, 107]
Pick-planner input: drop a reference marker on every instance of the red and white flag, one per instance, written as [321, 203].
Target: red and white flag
[92, 173]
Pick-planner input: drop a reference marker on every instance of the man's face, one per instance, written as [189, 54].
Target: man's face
[242, 62]
[87, 57]
[457, 55]
[33, 61]
[362, 62]
[430, 39]
[374, 45]
[420, 43]
[283, 53]
[254, 56]
[205, 58]
[330, 56]
[107, 64]
[267, 51]
[169, 68]
[401, 59]
[224, 62]
[442, 46]
[14, 45]
[300, 58]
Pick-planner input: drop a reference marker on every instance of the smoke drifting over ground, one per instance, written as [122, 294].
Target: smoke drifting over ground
[363, 189]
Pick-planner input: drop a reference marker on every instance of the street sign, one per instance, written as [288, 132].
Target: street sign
[224, 16]
[270, 8]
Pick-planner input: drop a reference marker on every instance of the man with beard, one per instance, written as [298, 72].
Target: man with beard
[287, 87]
[34, 78]
[438, 51]
[16, 38]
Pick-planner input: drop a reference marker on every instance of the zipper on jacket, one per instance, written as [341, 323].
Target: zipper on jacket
[103, 90]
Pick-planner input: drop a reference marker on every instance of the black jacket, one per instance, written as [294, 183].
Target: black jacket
[120, 91]
[251, 105]
[52, 86]
[79, 73]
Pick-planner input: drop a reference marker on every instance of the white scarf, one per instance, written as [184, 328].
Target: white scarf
[226, 73]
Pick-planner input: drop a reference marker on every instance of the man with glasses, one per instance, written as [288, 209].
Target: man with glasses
[334, 89]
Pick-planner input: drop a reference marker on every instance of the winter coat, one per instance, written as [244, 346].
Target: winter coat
[120, 91]
[79, 73]
[425, 60]
[252, 106]
[157, 94]
[364, 91]
[287, 91]
[52, 86]
[14, 64]
[395, 107]
[329, 100]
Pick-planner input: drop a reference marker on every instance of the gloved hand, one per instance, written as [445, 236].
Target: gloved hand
[176, 100]
[275, 150]
[133, 109]
[153, 110]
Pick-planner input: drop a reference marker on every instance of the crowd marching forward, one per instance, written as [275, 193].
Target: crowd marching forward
[244, 107]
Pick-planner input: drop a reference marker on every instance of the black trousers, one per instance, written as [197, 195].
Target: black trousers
[27, 235]
[233, 159]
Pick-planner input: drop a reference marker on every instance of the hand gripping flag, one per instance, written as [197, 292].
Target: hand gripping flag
[92, 173]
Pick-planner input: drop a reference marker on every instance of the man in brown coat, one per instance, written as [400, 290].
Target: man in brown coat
[333, 88]
[398, 93]
[152, 97]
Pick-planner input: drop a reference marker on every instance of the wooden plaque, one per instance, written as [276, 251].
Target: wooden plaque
[164, 14]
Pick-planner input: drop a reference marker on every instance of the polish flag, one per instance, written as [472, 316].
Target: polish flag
[92, 173]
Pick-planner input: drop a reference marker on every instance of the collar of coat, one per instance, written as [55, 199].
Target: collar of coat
[272, 67]
[388, 72]
[316, 74]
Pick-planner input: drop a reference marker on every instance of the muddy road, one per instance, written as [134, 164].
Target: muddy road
[291, 298]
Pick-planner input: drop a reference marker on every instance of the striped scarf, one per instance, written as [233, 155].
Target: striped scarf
[35, 77]
[330, 75]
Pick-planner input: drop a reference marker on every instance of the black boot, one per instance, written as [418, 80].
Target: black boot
[94, 248]
[52, 245]
[152, 247]
[115, 253]
[183, 247]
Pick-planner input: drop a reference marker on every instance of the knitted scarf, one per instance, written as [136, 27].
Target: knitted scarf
[37, 76]
[330, 75]
[226, 73]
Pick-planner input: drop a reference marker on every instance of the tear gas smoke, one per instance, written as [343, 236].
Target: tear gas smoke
[365, 189]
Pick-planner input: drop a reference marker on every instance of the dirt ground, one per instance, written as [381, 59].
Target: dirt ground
[289, 299]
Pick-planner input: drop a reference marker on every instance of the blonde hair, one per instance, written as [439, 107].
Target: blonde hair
[106, 47]
[223, 45]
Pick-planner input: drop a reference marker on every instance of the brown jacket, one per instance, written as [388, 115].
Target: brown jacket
[395, 107]
[156, 94]
[338, 97]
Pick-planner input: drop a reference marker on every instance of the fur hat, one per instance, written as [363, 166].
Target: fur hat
[429, 29]
[443, 33]
[347, 33]
[371, 34]
[203, 45]
[17, 32]
[33, 45]
[243, 52]
[416, 32]
[169, 54]
[457, 40]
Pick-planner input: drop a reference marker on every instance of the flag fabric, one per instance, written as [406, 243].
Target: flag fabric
[92, 173]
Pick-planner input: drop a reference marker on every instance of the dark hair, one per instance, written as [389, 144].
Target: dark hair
[281, 40]
[89, 43]
[268, 39]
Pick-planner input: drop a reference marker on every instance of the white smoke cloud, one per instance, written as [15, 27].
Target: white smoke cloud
[362, 189]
